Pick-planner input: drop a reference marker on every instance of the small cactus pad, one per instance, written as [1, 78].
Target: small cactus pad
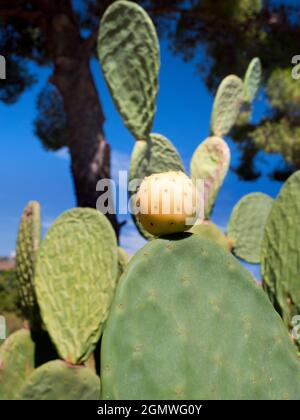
[252, 80]
[246, 225]
[210, 163]
[57, 380]
[76, 274]
[227, 105]
[128, 50]
[16, 363]
[154, 156]
[122, 260]
[200, 328]
[28, 242]
[210, 231]
[167, 203]
[280, 251]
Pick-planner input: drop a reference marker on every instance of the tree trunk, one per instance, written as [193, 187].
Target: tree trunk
[90, 153]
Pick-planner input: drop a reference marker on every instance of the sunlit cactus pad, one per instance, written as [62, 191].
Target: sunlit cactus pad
[28, 242]
[227, 105]
[76, 274]
[58, 381]
[280, 251]
[200, 328]
[210, 163]
[211, 231]
[129, 54]
[252, 79]
[16, 363]
[246, 225]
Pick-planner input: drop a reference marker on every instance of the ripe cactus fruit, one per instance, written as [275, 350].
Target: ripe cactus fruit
[252, 80]
[28, 242]
[199, 327]
[154, 156]
[210, 163]
[246, 225]
[16, 363]
[280, 251]
[210, 231]
[227, 105]
[166, 203]
[76, 274]
[128, 50]
[122, 261]
[57, 380]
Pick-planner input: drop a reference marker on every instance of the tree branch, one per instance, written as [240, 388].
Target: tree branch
[22, 14]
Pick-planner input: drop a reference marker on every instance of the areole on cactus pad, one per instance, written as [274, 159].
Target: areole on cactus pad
[76, 275]
[198, 328]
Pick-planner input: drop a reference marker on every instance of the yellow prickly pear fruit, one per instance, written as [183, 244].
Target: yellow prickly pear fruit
[166, 203]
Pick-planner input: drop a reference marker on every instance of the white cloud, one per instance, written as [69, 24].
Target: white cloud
[63, 153]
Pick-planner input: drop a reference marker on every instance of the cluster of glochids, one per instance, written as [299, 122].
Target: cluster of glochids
[196, 324]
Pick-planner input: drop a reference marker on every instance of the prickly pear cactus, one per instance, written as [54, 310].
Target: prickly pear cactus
[122, 261]
[76, 274]
[280, 251]
[154, 156]
[227, 105]
[246, 225]
[199, 329]
[210, 231]
[16, 363]
[210, 163]
[252, 80]
[129, 54]
[57, 380]
[28, 242]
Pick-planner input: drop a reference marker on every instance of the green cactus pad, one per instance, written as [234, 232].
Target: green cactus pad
[252, 80]
[198, 327]
[122, 260]
[246, 225]
[76, 274]
[128, 50]
[57, 380]
[28, 242]
[210, 231]
[280, 251]
[227, 105]
[16, 363]
[210, 163]
[152, 157]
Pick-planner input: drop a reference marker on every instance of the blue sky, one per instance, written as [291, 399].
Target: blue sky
[28, 172]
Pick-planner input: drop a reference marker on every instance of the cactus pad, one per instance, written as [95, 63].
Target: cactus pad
[199, 327]
[129, 54]
[76, 274]
[246, 225]
[210, 163]
[57, 380]
[210, 231]
[227, 105]
[16, 363]
[252, 80]
[28, 242]
[154, 156]
[280, 251]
